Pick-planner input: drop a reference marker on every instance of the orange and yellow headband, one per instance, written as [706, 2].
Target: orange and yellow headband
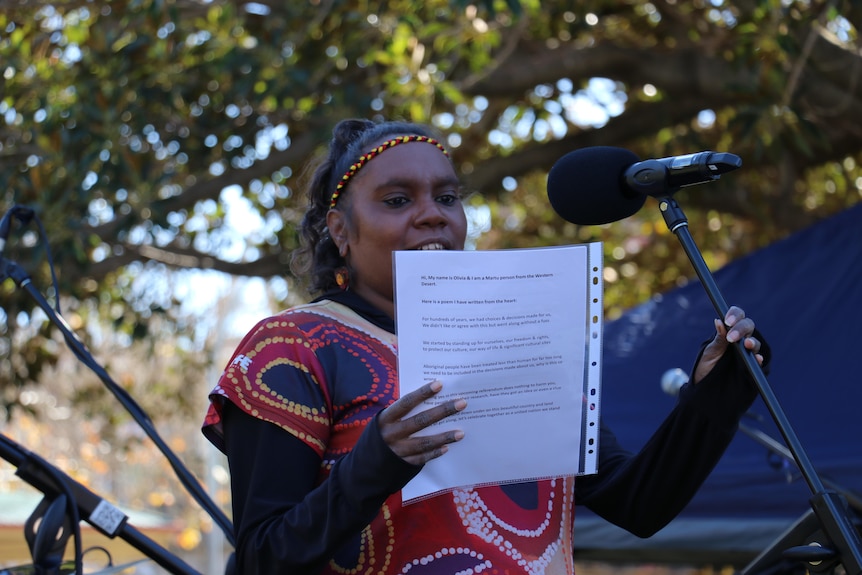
[365, 158]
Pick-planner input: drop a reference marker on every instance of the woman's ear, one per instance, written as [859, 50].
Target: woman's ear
[336, 223]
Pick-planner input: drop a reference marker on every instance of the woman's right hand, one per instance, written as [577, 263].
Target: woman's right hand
[398, 430]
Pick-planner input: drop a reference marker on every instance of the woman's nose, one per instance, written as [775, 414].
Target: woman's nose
[430, 212]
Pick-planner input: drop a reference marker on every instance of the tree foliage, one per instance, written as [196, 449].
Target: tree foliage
[125, 124]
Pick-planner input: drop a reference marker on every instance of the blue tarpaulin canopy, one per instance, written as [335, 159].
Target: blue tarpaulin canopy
[805, 294]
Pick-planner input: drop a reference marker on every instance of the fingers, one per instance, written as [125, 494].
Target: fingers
[408, 402]
[741, 328]
[422, 449]
[433, 415]
[398, 428]
[735, 327]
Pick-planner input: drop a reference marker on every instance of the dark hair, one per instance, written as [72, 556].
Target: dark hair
[318, 255]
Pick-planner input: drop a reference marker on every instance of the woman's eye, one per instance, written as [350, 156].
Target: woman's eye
[396, 201]
[448, 199]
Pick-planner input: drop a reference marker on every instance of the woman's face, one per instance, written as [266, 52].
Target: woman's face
[407, 198]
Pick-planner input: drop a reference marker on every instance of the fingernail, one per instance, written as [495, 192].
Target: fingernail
[732, 336]
[459, 435]
[436, 386]
[718, 325]
[460, 404]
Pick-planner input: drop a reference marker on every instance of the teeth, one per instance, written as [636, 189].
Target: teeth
[432, 247]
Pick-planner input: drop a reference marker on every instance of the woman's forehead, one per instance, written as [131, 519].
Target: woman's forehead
[414, 159]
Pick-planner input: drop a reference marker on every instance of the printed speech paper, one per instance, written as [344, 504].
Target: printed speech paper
[517, 333]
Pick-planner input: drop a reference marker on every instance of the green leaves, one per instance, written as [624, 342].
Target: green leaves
[492, 6]
[123, 124]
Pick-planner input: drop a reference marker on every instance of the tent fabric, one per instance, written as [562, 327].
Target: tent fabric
[805, 294]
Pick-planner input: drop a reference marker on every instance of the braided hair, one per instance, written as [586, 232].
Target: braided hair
[317, 256]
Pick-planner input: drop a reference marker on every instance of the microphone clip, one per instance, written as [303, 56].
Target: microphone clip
[663, 177]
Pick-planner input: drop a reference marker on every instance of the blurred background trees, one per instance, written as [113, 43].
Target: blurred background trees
[164, 141]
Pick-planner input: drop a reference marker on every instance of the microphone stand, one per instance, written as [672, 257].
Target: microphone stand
[843, 542]
[782, 553]
[22, 280]
[91, 508]
[767, 441]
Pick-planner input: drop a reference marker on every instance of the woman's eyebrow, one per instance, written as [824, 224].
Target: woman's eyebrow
[406, 182]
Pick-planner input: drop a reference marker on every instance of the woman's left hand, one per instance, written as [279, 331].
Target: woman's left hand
[736, 327]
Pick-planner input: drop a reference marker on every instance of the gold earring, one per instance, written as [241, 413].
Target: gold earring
[342, 278]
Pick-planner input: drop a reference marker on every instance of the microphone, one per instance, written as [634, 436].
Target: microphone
[611, 184]
[672, 381]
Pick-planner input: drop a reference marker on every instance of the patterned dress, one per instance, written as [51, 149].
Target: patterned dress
[321, 372]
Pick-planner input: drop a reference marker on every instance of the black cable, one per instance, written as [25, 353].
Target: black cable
[71, 504]
[126, 400]
[103, 550]
[50, 259]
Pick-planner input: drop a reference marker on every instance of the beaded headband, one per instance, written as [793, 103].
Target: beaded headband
[365, 158]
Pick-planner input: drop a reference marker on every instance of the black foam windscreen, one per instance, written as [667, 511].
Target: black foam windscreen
[585, 186]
